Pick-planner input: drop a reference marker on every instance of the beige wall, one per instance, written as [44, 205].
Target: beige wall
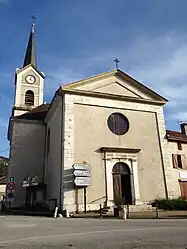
[173, 149]
[26, 154]
[2, 189]
[53, 159]
[22, 86]
[92, 133]
[82, 140]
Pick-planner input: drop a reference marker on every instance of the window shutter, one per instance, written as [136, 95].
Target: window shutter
[184, 163]
[175, 162]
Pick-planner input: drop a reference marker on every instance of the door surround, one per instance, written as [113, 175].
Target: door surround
[129, 157]
[122, 182]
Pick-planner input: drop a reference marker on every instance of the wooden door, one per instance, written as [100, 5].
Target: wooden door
[183, 187]
[117, 185]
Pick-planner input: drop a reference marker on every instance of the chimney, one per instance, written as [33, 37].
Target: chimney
[184, 128]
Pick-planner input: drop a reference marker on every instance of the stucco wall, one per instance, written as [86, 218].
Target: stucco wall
[26, 154]
[22, 86]
[92, 133]
[173, 149]
[2, 189]
[85, 131]
[53, 158]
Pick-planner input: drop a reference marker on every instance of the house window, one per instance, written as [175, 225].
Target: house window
[179, 145]
[48, 141]
[118, 123]
[179, 160]
[29, 98]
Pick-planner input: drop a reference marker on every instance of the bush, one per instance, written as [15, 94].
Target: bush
[170, 204]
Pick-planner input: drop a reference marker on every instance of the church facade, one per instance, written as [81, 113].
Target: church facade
[111, 122]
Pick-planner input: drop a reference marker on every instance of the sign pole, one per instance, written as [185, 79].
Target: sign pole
[85, 200]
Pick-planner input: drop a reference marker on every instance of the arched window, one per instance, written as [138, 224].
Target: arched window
[29, 98]
[121, 168]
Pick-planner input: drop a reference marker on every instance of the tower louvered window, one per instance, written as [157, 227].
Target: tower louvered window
[29, 98]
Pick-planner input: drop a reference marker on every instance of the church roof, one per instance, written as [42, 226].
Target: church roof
[30, 56]
[176, 136]
[37, 113]
[75, 86]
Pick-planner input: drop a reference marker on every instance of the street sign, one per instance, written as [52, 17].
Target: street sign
[10, 195]
[31, 181]
[11, 185]
[11, 179]
[83, 181]
[82, 173]
[81, 166]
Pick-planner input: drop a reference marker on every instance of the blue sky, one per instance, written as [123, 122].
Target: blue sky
[76, 39]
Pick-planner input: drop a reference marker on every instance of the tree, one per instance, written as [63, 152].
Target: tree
[4, 162]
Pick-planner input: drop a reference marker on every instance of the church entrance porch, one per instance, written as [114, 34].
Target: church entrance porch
[122, 183]
[121, 175]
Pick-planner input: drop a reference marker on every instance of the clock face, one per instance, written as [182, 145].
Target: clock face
[30, 79]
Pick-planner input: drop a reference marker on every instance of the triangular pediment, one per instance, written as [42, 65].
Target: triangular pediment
[115, 83]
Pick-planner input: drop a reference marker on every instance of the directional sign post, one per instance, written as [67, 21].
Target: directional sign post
[83, 181]
[83, 177]
[81, 173]
[82, 166]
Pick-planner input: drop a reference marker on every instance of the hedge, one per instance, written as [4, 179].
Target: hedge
[171, 204]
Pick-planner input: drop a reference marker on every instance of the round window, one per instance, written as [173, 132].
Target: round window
[118, 123]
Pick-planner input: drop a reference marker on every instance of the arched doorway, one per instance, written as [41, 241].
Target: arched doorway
[122, 182]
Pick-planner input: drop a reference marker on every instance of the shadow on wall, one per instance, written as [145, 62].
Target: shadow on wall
[68, 180]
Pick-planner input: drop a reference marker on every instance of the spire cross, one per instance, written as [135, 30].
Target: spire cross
[117, 62]
[33, 19]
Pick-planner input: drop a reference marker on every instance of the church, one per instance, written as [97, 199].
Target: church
[100, 138]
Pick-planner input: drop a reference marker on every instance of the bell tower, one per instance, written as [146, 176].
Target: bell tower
[29, 80]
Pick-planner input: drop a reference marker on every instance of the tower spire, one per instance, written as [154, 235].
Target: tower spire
[30, 55]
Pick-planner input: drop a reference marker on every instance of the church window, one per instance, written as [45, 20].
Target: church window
[48, 141]
[118, 123]
[29, 98]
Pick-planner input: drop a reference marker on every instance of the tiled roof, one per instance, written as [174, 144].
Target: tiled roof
[37, 113]
[176, 136]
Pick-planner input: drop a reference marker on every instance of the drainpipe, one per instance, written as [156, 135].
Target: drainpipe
[106, 191]
[62, 154]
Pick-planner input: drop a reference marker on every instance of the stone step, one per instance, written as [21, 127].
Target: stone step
[141, 208]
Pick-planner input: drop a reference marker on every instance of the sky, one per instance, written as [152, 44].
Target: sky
[77, 39]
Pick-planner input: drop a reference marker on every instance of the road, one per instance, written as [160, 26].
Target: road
[38, 232]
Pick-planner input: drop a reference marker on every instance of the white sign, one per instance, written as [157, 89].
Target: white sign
[83, 181]
[82, 173]
[82, 166]
[183, 175]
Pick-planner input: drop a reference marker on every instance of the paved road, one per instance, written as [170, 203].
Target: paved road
[45, 233]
